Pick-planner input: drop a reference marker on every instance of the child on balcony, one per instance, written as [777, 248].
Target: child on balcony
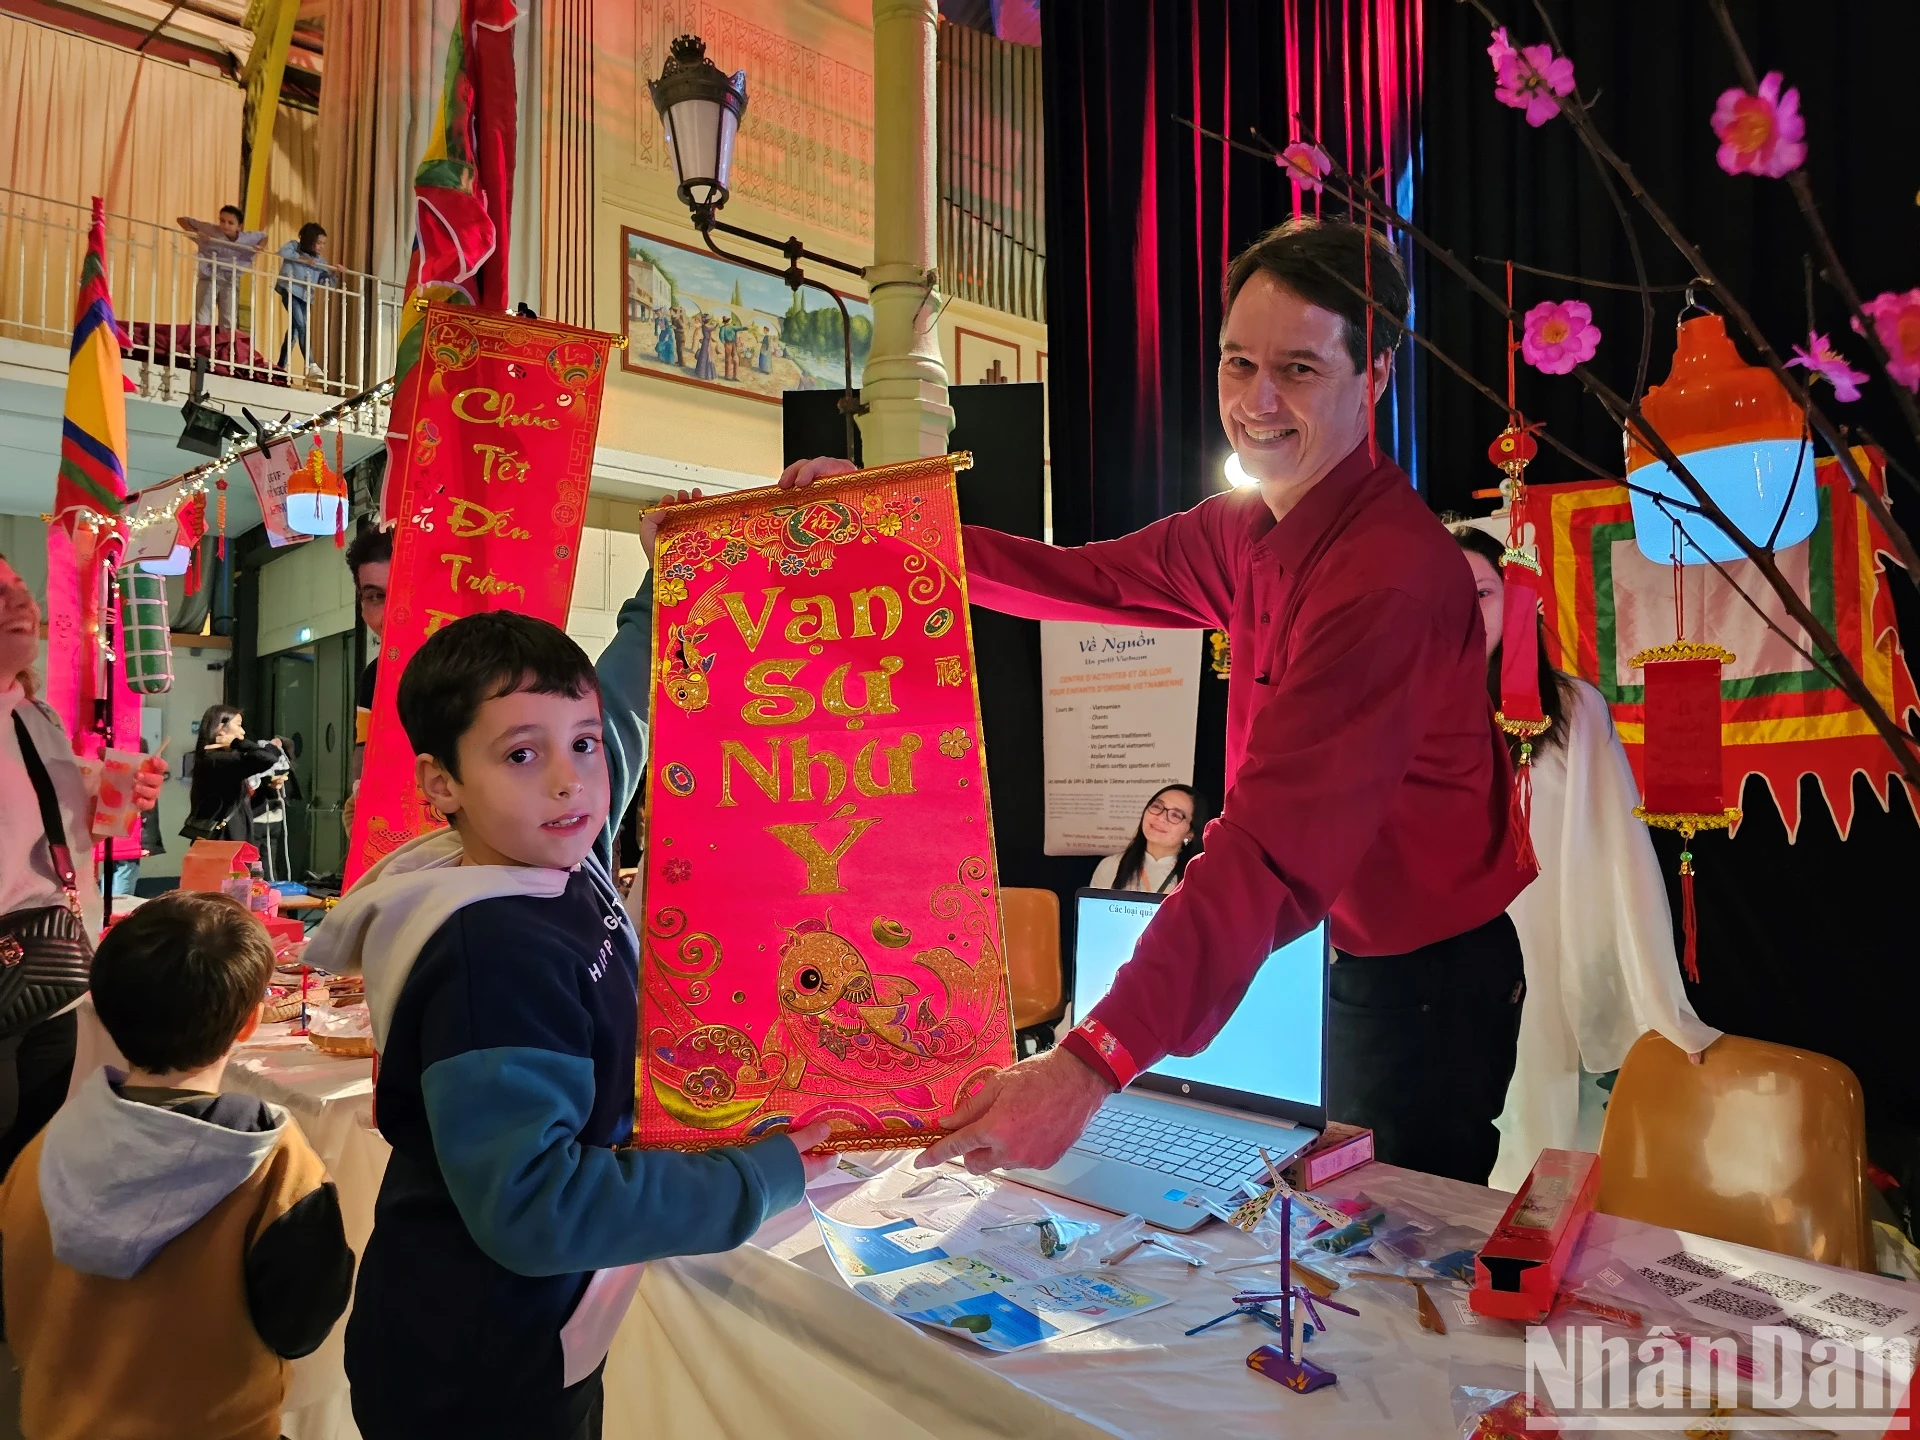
[225, 250]
[303, 264]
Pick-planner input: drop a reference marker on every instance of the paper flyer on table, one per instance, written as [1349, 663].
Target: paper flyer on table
[1000, 1297]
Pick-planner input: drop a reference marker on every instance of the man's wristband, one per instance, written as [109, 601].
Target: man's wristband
[1098, 1047]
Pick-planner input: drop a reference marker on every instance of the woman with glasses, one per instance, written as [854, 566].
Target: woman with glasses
[1168, 837]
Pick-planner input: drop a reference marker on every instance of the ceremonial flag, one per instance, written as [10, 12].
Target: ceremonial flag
[1781, 716]
[93, 433]
[463, 194]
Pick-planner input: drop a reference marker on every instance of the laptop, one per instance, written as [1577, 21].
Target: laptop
[1178, 1141]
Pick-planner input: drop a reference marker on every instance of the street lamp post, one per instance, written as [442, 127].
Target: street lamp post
[701, 108]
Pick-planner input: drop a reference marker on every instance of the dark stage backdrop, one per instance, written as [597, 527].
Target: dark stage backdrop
[1143, 216]
[1810, 944]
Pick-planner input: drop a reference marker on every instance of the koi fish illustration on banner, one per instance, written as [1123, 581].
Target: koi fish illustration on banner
[488, 500]
[820, 933]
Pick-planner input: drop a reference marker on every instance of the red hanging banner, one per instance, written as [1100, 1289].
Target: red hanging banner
[1683, 788]
[489, 498]
[821, 935]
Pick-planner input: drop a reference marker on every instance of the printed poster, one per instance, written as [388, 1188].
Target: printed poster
[1122, 706]
[269, 471]
[488, 502]
[820, 923]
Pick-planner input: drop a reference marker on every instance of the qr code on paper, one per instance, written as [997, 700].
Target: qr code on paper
[1747, 1307]
[1853, 1307]
[1671, 1286]
[1779, 1286]
[1814, 1328]
[1694, 1265]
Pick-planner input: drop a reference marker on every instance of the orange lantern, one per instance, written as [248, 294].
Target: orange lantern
[1739, 434]
[316, 497]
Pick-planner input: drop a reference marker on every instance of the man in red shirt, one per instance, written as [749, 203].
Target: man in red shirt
[1366, 778]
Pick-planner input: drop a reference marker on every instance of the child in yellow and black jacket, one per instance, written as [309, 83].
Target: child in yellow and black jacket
[165, 1249]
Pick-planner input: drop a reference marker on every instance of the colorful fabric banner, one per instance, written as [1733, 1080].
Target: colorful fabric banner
[1781, 718]
[491, 495]
[93, 431]
[463, 194]
[820, 933]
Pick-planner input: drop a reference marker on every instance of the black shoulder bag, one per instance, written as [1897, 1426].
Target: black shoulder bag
[45, 954]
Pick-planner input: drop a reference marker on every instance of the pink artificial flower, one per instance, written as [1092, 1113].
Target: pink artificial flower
[1500, 49]
[1896, 324]
[1559, 335]
[1306, 165]
[1823, 362]
[1529, 79]
[1761, 134]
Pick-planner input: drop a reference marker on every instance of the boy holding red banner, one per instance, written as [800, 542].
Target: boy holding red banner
[502, 975]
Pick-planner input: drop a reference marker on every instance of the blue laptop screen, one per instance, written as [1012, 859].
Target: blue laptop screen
[1271, 1045]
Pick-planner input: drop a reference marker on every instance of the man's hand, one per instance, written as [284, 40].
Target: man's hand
[146, 783]
[814, 1161]
[650, 525]
[804, 472]
[1024, 1118]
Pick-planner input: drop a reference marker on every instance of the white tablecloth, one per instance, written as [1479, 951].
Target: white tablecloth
[768, 1341]
[332, 1099]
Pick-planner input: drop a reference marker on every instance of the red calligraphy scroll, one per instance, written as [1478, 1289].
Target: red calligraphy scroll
[821, 934]
[488, 506]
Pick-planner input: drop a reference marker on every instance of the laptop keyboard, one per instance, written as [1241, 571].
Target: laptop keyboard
[1200, 1157]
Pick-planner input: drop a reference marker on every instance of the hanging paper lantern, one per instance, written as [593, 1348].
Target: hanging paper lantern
[144, 631]
[1685, 787]
[1739, 434]
[1520, 713]
[316, 497]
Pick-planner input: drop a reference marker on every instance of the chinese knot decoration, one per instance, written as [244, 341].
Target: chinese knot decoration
[1520, 713]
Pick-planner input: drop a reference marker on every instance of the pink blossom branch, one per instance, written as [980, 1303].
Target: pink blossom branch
[1905, 750]
[1583, 125]
[1832, 269]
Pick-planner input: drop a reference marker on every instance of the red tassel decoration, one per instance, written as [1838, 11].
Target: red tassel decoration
[1683, 787]
[1524, 855]
[340, 469]
[220, 486]
[1689, 925]
[1520, 713]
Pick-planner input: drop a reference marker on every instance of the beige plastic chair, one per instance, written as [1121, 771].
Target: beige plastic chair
[1032, 919]
[1758, 1144]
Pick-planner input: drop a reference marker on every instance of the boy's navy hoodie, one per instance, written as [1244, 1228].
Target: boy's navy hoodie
[505, 1007]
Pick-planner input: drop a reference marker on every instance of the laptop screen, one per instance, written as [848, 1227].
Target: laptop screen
[1272, 1046]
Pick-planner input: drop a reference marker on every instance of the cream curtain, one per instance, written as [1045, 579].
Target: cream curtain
[293, 176]
[383, 70]
[79, 118]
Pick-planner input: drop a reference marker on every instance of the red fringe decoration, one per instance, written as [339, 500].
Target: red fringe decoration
[1690, 926]
[1524, 855]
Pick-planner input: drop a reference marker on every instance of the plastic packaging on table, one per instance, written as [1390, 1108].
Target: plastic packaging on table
[1053, 1235]
[1490, 1402]
[1132, 1241]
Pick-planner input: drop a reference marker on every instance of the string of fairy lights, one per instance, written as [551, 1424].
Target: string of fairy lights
[194, 483]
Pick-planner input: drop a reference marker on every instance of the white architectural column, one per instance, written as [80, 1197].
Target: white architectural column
[905, 381]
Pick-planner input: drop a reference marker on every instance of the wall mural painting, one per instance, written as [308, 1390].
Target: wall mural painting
[693, 317]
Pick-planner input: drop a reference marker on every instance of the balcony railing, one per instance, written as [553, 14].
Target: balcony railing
[176, 305]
